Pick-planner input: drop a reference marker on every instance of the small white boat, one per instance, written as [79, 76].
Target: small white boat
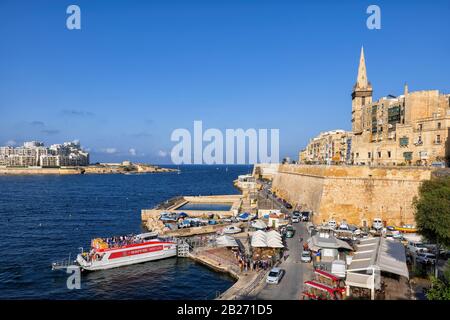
[259, 225]
[231, 230]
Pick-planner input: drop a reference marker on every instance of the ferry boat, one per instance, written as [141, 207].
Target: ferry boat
[107, 253]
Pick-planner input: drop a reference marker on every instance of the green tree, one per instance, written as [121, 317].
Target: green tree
[440, 290]
[433, 212]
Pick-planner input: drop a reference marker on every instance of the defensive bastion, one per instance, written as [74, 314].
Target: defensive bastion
[357, 194]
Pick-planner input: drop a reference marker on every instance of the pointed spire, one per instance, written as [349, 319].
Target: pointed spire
[362, 81]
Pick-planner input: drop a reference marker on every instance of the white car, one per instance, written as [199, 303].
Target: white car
[426, 258]
[274, 276]
[416, 247]
[295, 220]
[305, 257]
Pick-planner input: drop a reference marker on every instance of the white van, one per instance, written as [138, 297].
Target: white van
[377, 224]
[332, 224]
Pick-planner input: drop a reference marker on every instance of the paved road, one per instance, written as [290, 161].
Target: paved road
[291, 285]
[269, 201]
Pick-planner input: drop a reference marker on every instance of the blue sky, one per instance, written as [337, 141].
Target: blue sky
[137, 70]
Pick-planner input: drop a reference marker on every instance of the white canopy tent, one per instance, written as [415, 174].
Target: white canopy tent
[271, 239]
[316, 242]
[372, 256]
[226, 241]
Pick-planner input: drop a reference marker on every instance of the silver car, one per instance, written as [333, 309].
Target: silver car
[305, 257]
[274, 276]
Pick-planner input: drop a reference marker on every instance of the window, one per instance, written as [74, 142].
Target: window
[438, 138]
[379, 154]
[420, 127]
[389, 154]
[438, 125]
[369, 155]
[404, 141]
[407, 156]
[357, 154]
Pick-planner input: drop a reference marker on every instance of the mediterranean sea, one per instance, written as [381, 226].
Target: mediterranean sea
[44, 218]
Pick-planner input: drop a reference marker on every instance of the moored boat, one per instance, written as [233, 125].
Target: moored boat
[406, 229]
[231, 230]
[107, 253]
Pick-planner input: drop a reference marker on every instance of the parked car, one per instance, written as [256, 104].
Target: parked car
[288, 205]
[296, 213]
[290, 231]
[426, 258]
[274, 276]
[444, 253]
[377, 224]
[416, 247]
[305, 215]
[305, 257]
[295, 220]
[332, 224]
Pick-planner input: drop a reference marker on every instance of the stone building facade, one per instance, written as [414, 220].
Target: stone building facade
[331, 147]
[411, 129]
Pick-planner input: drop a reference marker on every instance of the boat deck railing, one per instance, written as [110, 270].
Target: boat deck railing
[64, 264]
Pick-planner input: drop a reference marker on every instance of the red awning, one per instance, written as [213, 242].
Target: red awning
[326, 275]
[320, 286]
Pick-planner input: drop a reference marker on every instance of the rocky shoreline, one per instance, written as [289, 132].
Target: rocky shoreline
[91, 169]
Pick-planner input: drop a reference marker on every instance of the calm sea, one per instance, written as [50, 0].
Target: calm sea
[44, 218]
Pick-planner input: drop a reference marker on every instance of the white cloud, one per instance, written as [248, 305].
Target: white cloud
[11, 143]
[162, 153]
[109, 150]
[132, 151]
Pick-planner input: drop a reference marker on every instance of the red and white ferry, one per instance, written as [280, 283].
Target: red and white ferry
[125, 250]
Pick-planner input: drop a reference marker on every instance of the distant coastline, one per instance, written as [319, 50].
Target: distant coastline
[125, 167]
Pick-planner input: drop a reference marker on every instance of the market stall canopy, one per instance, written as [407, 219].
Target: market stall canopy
[226, 241]
[316, 243]
[385, 254]
[263, 239]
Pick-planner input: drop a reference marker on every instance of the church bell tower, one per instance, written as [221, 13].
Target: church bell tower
[361, 95]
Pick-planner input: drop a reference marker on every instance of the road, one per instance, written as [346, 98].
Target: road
[267, 200]
[291, 285]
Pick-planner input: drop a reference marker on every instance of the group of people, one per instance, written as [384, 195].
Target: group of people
[248, 263]
[120, 241]
[92, 256]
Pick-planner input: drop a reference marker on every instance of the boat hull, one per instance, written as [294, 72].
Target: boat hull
[122, 258]
[406, 230]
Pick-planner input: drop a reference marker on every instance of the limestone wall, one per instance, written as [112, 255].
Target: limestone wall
[354, 193]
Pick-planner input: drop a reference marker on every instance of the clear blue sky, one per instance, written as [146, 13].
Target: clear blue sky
[139, 69]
